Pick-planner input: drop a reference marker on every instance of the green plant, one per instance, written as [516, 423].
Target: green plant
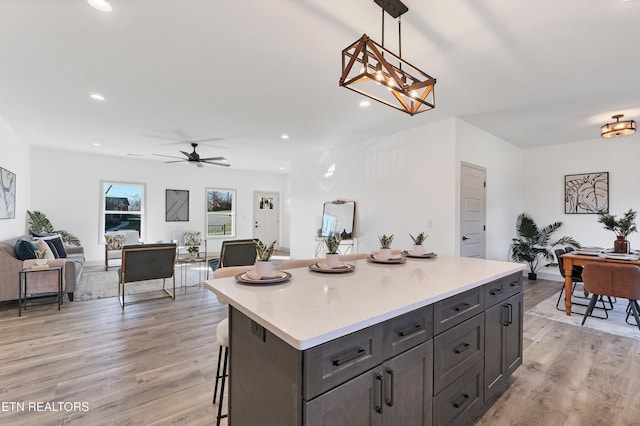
[263, 251]
[193, 249]
[532, 245]
[332, 243]
[623, 226]
[419, 239]
[385, 241]
[39, 223]
[40, 254]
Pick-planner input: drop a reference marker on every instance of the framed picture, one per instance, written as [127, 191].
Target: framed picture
[177, 208]
[7, 194]
[586, 193]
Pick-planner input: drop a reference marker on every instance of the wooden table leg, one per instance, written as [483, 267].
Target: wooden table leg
[568, 283]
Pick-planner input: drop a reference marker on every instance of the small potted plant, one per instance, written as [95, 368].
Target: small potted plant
[263, 266]
[622, 227]
[40, 257]
[418, 248]
[385, 246]
[193, 251]
[332, 256]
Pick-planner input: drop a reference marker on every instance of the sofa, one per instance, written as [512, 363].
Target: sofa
[10, 267]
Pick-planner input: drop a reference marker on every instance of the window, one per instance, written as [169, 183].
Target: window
[221, 212]
[122, 206]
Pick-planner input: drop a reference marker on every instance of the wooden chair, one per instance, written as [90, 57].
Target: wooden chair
[612, 279]
[142, 262]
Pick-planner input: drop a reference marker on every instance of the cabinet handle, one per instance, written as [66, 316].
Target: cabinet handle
[505, 315]
[461, 307]
[515, 283]
[379, 393]
[496, 292]
[460, 400]
[415, 329]
[510, 310]
[461, 348]
[348, 358]
[388, 398]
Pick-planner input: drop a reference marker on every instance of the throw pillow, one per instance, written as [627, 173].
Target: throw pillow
[43, 234]
[115, 241]
[43, 246]
[53, 249]
[192, 238]
[56, 239]
[25, 249]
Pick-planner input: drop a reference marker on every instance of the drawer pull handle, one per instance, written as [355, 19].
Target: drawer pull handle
[496, 292]
[379, 393]
[460, 400]
[461, 348]
[388, 399]
[461, 307]
[415, 329]
[515, 283]
[348, 358]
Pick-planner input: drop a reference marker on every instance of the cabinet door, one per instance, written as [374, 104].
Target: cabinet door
[408, 387]
[513, 334]
[494, 356]
[357, 402]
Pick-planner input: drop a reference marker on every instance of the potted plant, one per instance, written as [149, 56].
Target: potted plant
[622, 227]
[418, 248]
[39, 223]
[263, 266]
[193, 251]
[40, 257]
[532, 245]
[385, 246]
[332, 256]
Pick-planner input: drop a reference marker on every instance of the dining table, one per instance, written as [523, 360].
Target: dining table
[571, 259]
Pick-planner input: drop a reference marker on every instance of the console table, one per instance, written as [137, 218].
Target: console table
[432, 341]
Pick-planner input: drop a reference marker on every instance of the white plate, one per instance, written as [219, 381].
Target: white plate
[323, 267]
[394, 259]
[621, 256]
[249, 277]
[423, 255]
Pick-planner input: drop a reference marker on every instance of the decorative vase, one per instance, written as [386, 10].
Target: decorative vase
[621, 245]
[418, 249]
[385, 253]
[264, 268]
[333, 259]
[533, 276]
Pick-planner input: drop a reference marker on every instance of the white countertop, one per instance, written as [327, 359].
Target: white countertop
[313, 308]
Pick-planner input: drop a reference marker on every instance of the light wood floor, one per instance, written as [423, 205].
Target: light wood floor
[154, 364]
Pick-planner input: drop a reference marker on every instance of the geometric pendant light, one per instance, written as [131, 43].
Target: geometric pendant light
[618, 128]
[373, 71]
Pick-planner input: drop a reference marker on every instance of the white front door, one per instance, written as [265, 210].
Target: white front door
[266, 216]
[472, 210]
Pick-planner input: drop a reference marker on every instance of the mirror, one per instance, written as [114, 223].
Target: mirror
[338, 217]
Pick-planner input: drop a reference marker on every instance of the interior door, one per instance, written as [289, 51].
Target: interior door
[472, 210]
[266, 216]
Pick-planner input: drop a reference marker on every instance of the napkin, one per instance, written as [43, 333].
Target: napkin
[251, 274]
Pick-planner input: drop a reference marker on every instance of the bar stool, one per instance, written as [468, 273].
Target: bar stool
[222, 335]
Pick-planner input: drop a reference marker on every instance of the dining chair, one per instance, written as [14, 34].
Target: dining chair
[298, 263]
[353, 256]
[612, 279]
[222, 336]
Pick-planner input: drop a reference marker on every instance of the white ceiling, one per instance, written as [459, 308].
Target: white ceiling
[534, 73]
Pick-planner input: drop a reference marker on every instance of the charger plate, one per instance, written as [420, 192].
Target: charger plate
[244, 278]
[347, 267]
[393, 260]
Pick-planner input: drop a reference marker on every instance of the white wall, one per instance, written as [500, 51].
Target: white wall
[402, 181]
[67, 189]
[15, 156]
[546, 167]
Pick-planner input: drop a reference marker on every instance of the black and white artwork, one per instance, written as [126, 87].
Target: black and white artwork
[7, 194]
[177, 208]
[586, 193]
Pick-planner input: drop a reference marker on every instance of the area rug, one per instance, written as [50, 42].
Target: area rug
[615, 324]
[96, 283]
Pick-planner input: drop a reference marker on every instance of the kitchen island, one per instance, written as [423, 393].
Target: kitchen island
[431, 341]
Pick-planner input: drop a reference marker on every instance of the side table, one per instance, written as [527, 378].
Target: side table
[184, 262]
[23, 285]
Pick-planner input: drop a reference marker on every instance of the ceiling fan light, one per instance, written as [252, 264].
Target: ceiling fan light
[618, 128]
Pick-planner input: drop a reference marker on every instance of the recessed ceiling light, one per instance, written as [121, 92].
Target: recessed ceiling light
[101, 5]
[282, 167]
[364, 104]
[96, 144]
[96, 97]
[284, 136]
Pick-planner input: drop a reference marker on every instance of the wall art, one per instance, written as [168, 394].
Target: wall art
[586, 193]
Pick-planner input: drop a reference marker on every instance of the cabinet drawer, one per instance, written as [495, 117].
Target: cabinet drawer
[456, 350]
[502, 288]
[335, 362]
[408, 330]
[461, 402]
[456, 309]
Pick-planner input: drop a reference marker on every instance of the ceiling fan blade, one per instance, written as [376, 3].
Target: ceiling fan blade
[216, 163]
[168, 156]
[186, 154]
[213, 159]
[206, 140]
[176, 161]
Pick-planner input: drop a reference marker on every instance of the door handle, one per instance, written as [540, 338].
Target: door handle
[464, 238]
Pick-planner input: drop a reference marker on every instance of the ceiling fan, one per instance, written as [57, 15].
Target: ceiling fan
[194, 158]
